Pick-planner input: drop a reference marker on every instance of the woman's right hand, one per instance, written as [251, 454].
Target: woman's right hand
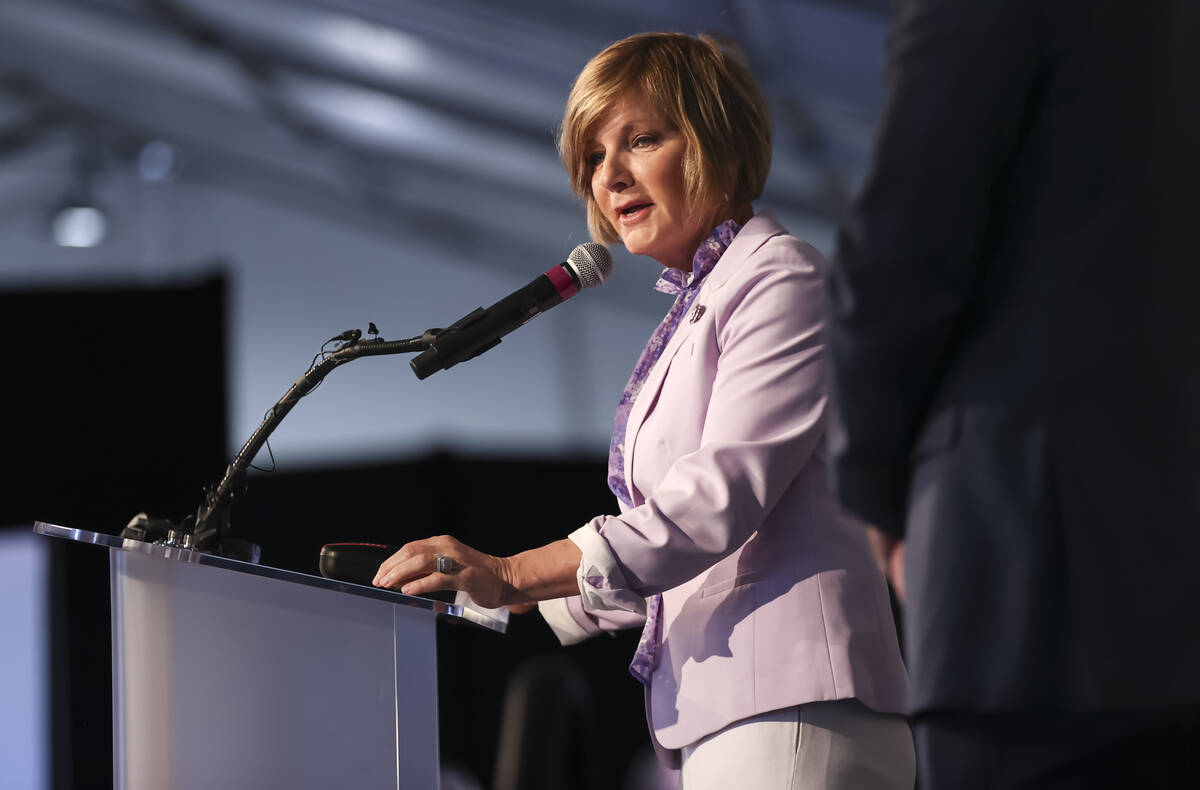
[516, 581]
[413, 570]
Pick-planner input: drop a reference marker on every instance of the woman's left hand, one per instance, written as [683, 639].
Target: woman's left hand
[413, 570]
[889, 556]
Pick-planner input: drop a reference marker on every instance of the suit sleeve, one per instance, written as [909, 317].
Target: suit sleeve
[960, 79]
[763, 422]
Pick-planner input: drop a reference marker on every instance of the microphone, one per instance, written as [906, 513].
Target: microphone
[588, 265]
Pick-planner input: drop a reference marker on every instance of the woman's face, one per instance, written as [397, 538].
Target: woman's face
[637, 180]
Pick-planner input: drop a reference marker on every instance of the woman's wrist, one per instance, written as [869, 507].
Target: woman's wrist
[542, 573]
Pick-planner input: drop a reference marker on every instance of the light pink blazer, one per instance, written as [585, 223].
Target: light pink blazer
[770, 596]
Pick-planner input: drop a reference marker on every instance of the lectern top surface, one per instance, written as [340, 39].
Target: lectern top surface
[462, 608]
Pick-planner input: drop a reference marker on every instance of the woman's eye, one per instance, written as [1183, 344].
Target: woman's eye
[595, 159]
[644, 140]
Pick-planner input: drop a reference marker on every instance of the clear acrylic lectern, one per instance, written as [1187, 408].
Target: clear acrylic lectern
[232, 675]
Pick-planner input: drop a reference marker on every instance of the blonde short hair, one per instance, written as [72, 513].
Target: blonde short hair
[699, 85]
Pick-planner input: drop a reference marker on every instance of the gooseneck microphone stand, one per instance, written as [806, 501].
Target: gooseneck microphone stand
[211, 529]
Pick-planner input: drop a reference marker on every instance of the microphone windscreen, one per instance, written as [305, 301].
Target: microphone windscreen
[592, 263]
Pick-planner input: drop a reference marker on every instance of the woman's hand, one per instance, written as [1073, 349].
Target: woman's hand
[517, 582]
[889, 556]
[413, 570]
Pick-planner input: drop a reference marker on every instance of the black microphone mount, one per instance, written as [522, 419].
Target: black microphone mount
[210, 532]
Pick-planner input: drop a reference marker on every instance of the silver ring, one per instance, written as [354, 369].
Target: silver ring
[443, 563]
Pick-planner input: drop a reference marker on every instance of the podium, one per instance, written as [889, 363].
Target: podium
[234, 675]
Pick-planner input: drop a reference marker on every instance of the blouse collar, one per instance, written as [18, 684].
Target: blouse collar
[675, 281]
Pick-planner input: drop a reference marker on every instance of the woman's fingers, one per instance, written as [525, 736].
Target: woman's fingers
[412, 558]
[414, 571]
[432, 582]
[413, 567]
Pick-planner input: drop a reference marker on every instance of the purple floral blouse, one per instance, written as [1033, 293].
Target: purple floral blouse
[685, 286]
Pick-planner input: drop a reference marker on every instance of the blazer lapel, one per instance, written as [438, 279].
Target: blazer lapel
[760, 228]
[648, 397]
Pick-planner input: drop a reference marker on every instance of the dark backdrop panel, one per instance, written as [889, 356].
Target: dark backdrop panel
[115, 403]
[500, 506]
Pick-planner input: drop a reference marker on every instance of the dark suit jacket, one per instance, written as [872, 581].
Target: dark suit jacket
[1015, 336]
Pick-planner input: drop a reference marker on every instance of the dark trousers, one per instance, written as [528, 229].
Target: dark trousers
[1145, 750]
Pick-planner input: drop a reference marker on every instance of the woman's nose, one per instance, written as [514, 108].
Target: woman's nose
[614, 174]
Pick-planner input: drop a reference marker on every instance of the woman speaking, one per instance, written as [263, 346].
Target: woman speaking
[768, 651]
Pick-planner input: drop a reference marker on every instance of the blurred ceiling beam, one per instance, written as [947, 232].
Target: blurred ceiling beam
[410, 106]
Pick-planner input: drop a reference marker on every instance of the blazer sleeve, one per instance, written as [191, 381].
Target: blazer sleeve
[764, 419]
[960, 79]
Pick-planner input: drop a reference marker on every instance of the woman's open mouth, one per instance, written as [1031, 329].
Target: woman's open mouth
[633, 213]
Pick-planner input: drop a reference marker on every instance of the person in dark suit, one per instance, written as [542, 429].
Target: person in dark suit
[1015, 339]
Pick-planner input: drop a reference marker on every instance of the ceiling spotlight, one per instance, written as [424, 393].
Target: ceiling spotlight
[77, 220]
[78, 224]
[158, 162]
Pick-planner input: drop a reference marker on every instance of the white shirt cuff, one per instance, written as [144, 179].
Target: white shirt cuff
[601, 583]
[558, 617]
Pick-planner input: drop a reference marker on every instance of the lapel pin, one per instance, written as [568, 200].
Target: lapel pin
[697, 311]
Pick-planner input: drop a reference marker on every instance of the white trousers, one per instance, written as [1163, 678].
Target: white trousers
[839, 745]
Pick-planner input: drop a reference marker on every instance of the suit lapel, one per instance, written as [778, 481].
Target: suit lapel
[648, 397]
[757, 230]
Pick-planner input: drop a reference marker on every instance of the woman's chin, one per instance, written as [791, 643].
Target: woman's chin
[669, 258]
[634, 246]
